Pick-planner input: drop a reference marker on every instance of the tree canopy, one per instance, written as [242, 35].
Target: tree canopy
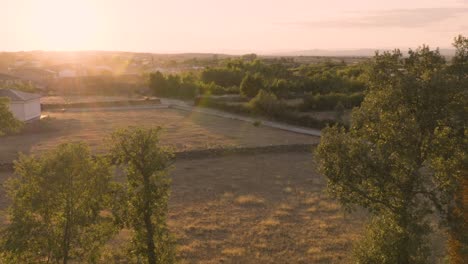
[8, 123]
[57, 202]
[404, 153]
[146, 192]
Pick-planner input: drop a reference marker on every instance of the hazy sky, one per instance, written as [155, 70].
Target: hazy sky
[228, 26]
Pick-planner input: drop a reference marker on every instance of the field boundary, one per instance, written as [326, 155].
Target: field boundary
[159, 103]
[101, 104]
[221, 152]
[281, 126]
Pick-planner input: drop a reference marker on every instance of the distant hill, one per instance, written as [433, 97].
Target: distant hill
[348, 53]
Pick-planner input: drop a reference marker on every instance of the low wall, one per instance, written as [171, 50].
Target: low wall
[100, 104]
[220, 152]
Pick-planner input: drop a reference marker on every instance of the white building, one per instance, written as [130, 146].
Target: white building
[70, 70]
[24, 106]
[67, 73]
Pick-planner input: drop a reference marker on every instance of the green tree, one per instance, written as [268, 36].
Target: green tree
[158, 83]
[339, 112]
[280, 87]
[251, 84]
[458, 212]
[267, 104]
[8, 123]
[57, 204]
[147, 191]
[403, 154]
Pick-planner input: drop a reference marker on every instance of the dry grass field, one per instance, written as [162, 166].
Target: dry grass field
[181, 130]
[264, 208]
[249, 208]
[267, 208]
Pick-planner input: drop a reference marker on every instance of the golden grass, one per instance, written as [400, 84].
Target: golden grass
[314, 250]
[181, 131]
[233, 252]
[211, 227]
[249, 200]
[270, 222]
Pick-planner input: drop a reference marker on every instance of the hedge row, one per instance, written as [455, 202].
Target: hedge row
[330, 101]
[284, 115]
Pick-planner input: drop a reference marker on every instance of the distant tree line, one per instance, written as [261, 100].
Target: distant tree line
[174, 86]
[246, 76]
[321, 87]
[111, 85]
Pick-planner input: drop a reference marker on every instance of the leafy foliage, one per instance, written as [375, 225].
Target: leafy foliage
[391, 161]
[8, 123]
[251, 85]
[267, 104]
[173, 85]
[145, 195]
[57, 204]
[330, 101]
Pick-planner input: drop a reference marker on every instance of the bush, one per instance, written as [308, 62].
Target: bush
[225, 77]
[214, 89]
[267, 104]
[330, 101]
[213, 103]
[285, 115]
[173, 85]
[8, 123]
[385, 242]
[251, 85]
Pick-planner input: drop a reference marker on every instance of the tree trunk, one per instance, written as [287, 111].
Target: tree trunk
[150, 246]
[66, 241]
[458, 237]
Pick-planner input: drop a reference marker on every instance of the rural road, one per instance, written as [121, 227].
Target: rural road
[181, 105]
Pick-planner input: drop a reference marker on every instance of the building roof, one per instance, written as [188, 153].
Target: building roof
[16, 95]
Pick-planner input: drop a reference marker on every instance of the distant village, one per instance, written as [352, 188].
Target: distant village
[42, 69]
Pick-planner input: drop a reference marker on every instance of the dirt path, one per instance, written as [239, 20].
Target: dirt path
[181, 105]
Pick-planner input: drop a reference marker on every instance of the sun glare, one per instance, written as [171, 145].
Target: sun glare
[65, 25]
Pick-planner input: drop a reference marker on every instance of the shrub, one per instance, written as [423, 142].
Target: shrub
[214, 89]
[251, 85]
[286, 116]
[8, 123]
[330, 101]
[174, 86]
[267, 104]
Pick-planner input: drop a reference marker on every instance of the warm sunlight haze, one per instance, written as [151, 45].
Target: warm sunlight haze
[234, 132]
[261, 26]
